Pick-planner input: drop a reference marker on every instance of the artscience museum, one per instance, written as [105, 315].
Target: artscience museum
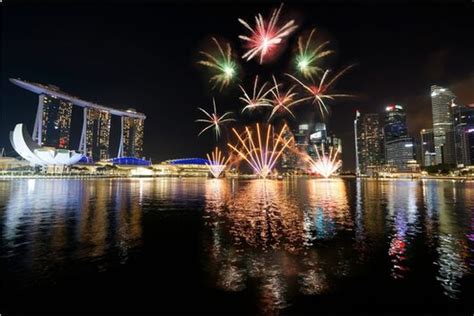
[38, 155]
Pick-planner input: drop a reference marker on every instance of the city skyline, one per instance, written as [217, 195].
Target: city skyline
[178, 124]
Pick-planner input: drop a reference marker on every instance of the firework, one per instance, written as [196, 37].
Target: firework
[308, 55]
[223, 64]
[325, 165]
[261, 154]
[217, 162]
[318, 93]
[214, 120]
[258, 98]
[267, 36]
[282, 101]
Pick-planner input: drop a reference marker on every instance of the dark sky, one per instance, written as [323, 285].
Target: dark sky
[143, 55]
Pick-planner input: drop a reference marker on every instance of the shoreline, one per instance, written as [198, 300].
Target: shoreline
[243, 177]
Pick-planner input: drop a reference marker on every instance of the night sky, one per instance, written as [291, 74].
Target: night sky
[143, 55]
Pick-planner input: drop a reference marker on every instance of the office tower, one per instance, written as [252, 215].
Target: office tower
[427, 148]
[132, 136]
[56, 121]
[395, 125]
[97, 134]
[289, 158]
[318, 134]
[372, 149]
[443, 129]
[369, 142]
[321, 137]
[302, 144]
[464, 134]
[399, 147]
[358, 140]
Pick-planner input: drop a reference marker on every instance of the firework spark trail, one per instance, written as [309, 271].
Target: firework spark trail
[266, 36]
[225, 66]
[320, 92]
[325, 165]
[214, 120]
[307, 56]
[261, 155]
[282, 101]
[217, 162]
[258, 98]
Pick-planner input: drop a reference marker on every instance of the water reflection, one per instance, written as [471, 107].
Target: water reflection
[50, 223]
[283, 238]
[264, 233]
[274, 240]
[451, 245]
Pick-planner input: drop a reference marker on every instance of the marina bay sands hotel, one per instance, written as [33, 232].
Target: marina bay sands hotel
[52, 126]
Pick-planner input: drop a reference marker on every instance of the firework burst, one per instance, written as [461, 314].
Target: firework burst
[223, 64]
[261, 153]
[217, 163]
[258, 98]
[308, 54]
[283, 100]
[318, 93]
[325, 165]
[267, 36]
[214, 120]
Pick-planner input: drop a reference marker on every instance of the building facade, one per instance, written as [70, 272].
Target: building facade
[56, 122]
[427, 148]
[132, 136]
[369, 142]
[398, 145]
[98, 134]
[464, 134]
[443, 128]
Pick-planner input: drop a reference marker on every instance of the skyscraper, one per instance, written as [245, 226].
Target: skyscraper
[464, 134]
[395, 125]
[97, 134]
[132, 136]
[427, 148]
[358, 142]
[56, 121]
[322, 139]
[369, 142]
[443, 129]
[399, 147]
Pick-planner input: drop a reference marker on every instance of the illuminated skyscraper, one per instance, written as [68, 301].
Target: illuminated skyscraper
[132, 136]
[399, 147]
[443, 129]
[369, 142]
[427, 153]
[56, 121]
[464, 134]
[97, 134]
[357, 141]
[322, 138]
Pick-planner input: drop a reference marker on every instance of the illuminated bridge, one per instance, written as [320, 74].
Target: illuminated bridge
[53, 123]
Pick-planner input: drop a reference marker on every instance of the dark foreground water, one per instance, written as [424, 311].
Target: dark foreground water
[190, 246]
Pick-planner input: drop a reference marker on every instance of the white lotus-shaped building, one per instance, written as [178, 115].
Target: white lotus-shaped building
[37, 155]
